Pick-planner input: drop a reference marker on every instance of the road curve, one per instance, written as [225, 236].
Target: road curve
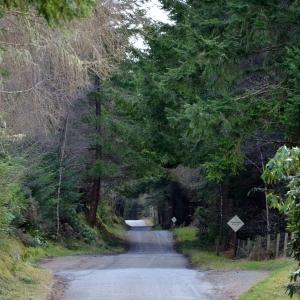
[151, 270]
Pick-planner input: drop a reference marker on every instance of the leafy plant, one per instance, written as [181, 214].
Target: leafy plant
[286, 166]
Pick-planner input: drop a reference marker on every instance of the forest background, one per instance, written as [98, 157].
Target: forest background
[89, 123]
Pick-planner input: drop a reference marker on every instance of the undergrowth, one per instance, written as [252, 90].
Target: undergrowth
[21, 278]
[273, 287]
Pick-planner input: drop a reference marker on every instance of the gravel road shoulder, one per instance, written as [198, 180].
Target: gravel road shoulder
[231, 284]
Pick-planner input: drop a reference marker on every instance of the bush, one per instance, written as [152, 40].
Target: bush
[256, 250]
[33, 238]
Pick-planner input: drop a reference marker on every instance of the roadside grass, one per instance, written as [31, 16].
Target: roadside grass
[271, 288]
[119, 230]
[22, 279]
[157, 227]
[148, 222]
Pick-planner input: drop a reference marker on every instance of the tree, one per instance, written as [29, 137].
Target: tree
[219, 80]
[61, 157]
[55, 12]
[286, 166]
[96, 194]
[11, 172]
[49, 68]
[223, 75]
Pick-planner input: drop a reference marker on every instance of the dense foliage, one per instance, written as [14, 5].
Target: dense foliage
[55, 12]
[216, 88]
[286, 166]
[11, 173]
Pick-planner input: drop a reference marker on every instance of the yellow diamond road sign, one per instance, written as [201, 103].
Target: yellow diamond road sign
[235, 223]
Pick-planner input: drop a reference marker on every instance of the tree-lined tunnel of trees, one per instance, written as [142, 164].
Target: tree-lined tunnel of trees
[187, 124]
[164, 201]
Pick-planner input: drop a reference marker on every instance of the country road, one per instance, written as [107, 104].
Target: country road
[151, 270]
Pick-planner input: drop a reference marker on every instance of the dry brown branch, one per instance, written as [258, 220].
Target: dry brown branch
[51, 68]
[23, 91]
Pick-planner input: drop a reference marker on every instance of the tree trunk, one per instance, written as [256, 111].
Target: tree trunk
[97, 180]
[221, 207]
[266, 195]
[61, 154]
[261, 170]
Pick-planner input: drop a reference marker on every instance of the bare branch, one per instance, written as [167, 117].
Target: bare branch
[23, 91]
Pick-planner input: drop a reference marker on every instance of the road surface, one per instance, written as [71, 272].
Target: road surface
[151, 270]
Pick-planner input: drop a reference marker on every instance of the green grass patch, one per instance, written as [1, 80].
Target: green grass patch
[157, 227]
[273, 287]
[21, 278]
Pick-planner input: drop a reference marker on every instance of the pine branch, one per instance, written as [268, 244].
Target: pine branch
[276, 48]
[260, 91]
[265, 88]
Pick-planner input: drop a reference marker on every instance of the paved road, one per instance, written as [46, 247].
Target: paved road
[151, 270]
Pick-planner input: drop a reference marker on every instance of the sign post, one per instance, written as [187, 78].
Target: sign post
[173, 220]
[235, 223]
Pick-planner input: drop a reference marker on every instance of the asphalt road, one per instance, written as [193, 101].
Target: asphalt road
[151, 270]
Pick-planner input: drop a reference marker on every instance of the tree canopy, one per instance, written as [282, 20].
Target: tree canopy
[55, 12]
[226, 71]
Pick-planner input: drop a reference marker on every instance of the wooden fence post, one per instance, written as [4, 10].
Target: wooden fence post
[259, 241]
[234, 245]
[238, 246]
[268, 243]
[277, 245]
[285, 244]
[217, 246]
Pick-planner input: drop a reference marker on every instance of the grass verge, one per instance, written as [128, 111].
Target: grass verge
[22, 279]
[272, 288]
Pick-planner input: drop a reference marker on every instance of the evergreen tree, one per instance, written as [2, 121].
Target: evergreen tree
[55, 12]
[214, 86]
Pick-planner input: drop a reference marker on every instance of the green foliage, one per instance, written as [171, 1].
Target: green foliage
[41, 184]
[222, 62]
[106, 212]
[103, 169]
[11, 176]
[221, 72]
[31, 237]
[286, 166]
[54, 11]
[82, 230]
[140, 114]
